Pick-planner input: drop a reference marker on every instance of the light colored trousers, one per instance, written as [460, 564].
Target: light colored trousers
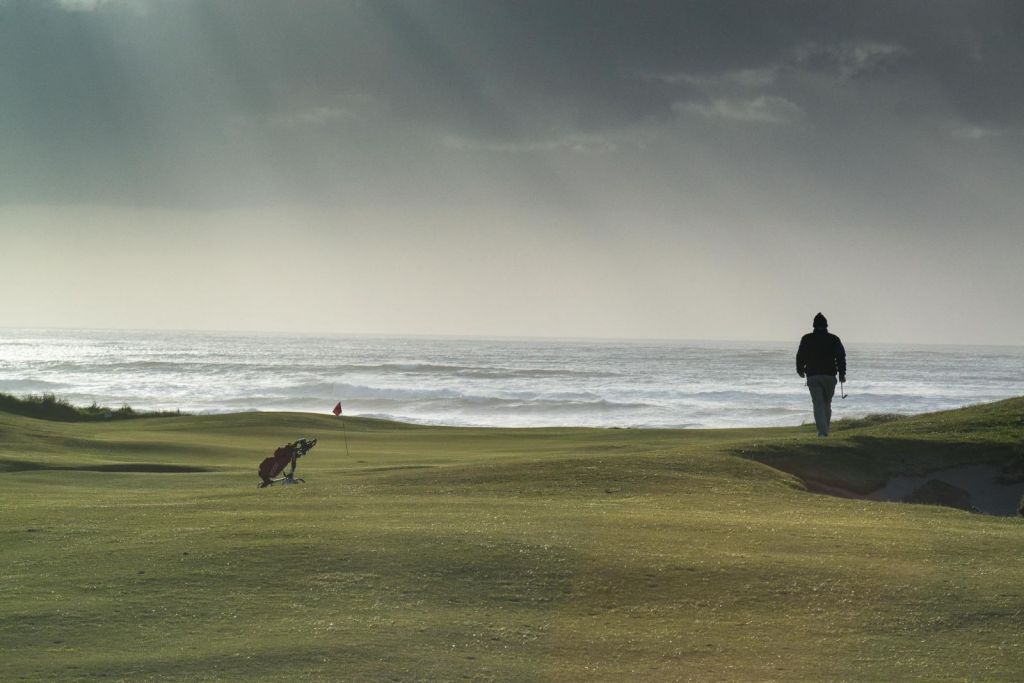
[822, 388]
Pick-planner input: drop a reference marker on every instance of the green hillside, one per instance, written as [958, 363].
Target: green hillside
[142, 550]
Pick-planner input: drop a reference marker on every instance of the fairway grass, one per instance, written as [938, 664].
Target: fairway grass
[142, 550]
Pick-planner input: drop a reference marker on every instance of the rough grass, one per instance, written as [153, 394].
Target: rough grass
[866, 421]
[52, 407]
[452, 554]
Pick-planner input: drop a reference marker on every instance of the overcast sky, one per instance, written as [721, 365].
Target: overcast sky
[694, 170]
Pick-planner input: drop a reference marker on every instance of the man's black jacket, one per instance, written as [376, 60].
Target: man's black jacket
[821, 353]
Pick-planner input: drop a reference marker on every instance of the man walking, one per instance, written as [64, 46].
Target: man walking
[821, 356]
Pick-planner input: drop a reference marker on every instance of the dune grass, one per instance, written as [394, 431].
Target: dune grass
[142, 550]
[53, 407]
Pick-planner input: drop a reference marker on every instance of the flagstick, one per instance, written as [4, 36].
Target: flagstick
[345, 433]
[338, 413]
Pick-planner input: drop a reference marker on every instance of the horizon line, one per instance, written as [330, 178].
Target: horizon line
[484, 337]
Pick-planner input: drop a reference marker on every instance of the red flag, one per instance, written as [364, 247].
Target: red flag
[337, 409]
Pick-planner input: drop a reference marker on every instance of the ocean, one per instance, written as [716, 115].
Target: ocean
[492, 382]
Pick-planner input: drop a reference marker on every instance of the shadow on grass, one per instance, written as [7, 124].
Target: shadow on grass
[859, 465]
[10, 465]
[379, 606]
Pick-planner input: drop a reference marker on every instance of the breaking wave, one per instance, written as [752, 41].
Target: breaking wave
[491, 382]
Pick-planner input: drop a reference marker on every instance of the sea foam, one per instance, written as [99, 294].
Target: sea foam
[509, 383]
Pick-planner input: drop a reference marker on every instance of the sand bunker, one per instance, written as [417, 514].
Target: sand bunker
[981, 486]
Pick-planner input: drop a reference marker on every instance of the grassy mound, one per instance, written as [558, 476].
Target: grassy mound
[866, 453]
[52, 407]
[487, 554]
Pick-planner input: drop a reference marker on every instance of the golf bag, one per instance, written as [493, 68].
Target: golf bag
[283, 457]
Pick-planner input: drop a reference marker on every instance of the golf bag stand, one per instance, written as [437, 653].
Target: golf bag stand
[284, 456]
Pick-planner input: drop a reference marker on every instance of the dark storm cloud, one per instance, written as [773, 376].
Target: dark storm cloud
[141, 100]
